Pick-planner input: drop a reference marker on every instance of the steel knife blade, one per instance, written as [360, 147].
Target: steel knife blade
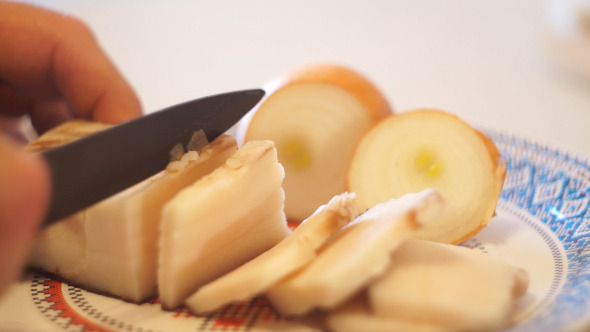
[100, 165]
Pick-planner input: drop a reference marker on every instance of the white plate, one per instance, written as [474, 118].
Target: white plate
[543, 225]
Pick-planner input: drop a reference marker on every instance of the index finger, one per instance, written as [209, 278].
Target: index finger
[46, 55]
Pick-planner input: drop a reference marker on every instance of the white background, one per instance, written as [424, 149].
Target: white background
[483, 60]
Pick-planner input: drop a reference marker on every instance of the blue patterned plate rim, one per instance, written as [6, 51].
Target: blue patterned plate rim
[552, 184]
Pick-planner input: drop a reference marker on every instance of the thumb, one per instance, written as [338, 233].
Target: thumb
[24, 195]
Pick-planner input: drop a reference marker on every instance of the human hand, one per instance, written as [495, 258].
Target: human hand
[52, 69]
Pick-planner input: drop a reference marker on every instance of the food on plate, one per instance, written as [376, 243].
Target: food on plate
[410, 151]
[211, 229]
[111, 247]
[315, 116]
[451, 286]
[292, 253]
[358, 253]
[223, 220]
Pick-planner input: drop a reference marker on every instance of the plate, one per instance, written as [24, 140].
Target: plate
[542, 224]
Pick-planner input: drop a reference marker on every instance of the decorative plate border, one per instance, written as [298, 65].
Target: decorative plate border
[49, 299]
[553, 185]
[70, 310]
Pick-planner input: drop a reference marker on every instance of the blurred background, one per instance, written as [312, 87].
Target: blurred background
[522, 66]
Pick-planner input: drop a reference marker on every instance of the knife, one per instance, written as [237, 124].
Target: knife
[97, 166]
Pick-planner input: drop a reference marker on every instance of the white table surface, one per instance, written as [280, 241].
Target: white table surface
[482, 60]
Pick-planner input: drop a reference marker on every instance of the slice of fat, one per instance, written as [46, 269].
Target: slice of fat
[356, 254]
[111, 247]
[447, 285]
[355, 316]
[221, 221]
[293, 252]
[66, 133]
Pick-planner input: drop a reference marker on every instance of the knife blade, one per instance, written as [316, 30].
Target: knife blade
[100, 165]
